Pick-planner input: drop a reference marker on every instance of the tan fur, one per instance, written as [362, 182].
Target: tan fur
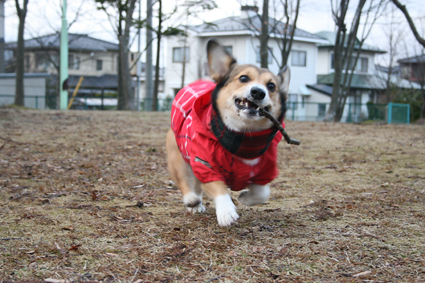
[180, 172]
[223, 67]
[234, 89]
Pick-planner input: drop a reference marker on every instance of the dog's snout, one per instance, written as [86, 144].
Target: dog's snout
[257, 93]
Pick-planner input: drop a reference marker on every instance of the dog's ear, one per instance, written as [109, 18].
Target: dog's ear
[219, 61]
[283, 78]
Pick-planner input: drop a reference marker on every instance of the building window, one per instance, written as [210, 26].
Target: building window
[99, 65]
[299, 58]
[229, 49]
[77, 63]
[322, 109]
[361, 66]
[269, 55]
[44, 61]
[73, 62]
[70, 61]
[178, 54]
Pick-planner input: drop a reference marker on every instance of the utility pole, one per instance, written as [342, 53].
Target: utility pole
[63, 92]
[148, 76]
[1, 36]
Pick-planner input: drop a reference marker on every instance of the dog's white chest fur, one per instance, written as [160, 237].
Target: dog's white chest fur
[251, 162]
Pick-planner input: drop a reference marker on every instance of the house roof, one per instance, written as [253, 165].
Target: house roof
[93, 82]
[250, 25]
[359, 81]
[414, 59]
[325, 89]
[376, 81]
[80, 42]
[330, 37]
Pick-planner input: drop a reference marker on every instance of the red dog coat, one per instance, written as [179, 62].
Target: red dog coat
[214, 152]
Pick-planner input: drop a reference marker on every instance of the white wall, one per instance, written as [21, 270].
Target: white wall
[244, 50]
[324, 61]
[174, 69]
[34, 89]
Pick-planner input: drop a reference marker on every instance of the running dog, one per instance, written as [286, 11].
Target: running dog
[219, 139]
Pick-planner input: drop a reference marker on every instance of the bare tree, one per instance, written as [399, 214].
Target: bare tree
[420, 67]
[288, 32]
[19, 85]
[280, 28]
[264, 35]
[191, 10]
[52, 53]
[122, 25]
[170, 31]
[394, 36]
[345, 59]
[412, 25]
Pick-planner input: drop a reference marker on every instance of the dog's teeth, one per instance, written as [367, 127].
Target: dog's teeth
[258, 108]
[246, 104]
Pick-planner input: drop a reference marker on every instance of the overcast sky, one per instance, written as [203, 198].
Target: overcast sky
[315, 15]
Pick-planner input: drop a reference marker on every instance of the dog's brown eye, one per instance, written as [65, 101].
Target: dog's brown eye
[271, 87]
[244, 79]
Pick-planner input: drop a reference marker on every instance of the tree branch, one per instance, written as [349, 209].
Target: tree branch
[406, 14]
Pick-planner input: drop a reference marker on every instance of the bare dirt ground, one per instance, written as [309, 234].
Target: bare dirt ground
[85, 196]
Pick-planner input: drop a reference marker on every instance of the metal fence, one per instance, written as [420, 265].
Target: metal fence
[398, 113]
[297, 111]
[353, 112]
[31, 101]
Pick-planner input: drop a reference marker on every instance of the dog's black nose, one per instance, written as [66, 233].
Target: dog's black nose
[257, 93]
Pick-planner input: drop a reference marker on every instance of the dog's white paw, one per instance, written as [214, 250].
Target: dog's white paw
[199, 208]
[191, 200]
[225, 210]
[257, 194]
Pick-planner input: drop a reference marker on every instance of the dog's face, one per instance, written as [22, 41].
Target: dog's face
[242, 89]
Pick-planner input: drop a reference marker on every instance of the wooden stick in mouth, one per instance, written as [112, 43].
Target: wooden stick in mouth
[288, 139]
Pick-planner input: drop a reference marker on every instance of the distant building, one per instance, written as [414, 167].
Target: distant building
[365, 86]
[238, 36]
[94, 59]
[88, 56]
[413, 68]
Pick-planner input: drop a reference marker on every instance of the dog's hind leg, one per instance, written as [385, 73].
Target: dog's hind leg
[182, 175]
[256, 194]
[197, 190]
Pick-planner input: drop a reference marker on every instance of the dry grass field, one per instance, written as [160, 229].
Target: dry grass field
[86, 197]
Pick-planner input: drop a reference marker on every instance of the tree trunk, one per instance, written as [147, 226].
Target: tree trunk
[264, 36]
[148, 70]
[184, 54]
[287, 43]
[158, 53]
[20, 68]
[125, 91]
[422, 115]
[342, 57]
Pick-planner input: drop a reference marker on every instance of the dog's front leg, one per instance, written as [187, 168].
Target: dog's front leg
[256, 194]
[224, 207]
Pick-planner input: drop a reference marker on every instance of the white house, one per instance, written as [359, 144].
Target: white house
[365, 86]
[238, 35]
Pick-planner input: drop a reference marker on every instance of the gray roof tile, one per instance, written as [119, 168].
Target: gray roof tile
[80, 42]
[250, 24]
